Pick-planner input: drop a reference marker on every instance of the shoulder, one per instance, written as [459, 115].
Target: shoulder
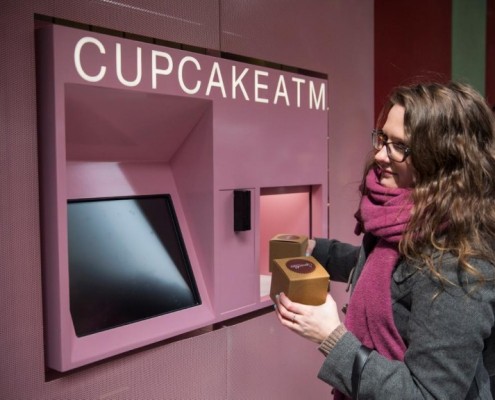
[478, 270]
[478, 281]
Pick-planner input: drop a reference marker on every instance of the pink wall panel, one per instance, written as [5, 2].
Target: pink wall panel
[246, 373]
[280, 31]
[349, 60]
[191, 22]
[331, 37]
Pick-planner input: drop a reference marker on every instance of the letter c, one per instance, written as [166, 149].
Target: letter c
[77, 59]
[183, 86]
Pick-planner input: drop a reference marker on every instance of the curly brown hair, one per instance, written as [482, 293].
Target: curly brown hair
[451, 131]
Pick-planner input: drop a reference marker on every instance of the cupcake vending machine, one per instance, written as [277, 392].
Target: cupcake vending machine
[163, 175]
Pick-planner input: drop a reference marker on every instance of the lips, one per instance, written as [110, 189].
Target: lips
[382, 171]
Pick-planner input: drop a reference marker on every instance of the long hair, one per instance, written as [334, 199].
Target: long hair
[451, 131]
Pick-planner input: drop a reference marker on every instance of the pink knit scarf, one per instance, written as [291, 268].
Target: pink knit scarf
[384, 212]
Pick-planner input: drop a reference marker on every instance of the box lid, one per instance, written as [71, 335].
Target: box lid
[290, 237]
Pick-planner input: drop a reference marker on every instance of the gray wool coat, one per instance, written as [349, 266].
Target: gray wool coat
[449, 331]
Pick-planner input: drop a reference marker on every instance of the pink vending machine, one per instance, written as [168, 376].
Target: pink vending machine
[163, 175]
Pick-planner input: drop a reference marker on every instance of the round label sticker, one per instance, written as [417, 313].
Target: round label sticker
[301, 266]
[288, 237]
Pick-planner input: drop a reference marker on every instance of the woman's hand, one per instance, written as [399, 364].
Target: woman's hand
[311, 322]
[311, 247]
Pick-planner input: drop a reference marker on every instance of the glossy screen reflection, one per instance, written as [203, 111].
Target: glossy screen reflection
[127, 262]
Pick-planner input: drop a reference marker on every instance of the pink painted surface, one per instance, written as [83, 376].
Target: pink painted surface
[255, 358]
[121, 128]
[236, 276]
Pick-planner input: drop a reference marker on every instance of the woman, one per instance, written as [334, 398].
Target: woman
[422, 310]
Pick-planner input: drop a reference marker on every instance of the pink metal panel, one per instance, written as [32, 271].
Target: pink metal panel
[183, 21]
[331, 37]
[150, 129]
[286, 142]
[280, 349]
[281, 31]
[194, 186]
[237, 276]
[194, 368]
[120, 125]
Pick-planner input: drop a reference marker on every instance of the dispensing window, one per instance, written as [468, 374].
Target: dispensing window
[282, 210]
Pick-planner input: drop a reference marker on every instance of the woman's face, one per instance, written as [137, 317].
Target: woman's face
[394, 174]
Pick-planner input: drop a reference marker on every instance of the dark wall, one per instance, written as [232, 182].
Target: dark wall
[434, 39]
[412, 41]
[490, 53]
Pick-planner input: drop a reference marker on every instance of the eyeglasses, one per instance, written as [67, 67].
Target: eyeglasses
[397, 152]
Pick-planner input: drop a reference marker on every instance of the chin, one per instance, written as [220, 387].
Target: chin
[388, 181]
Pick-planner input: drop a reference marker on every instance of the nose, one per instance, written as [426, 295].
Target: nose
[382, 156]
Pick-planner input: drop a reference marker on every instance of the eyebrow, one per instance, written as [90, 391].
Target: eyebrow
[393, 139]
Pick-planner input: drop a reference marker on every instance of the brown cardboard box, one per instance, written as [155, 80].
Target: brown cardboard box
[286, 245]
[302, 279]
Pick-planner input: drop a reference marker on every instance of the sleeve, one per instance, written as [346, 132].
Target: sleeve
[338, 258]
[445, 334]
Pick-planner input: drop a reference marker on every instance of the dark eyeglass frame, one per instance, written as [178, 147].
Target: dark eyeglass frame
[378, 140]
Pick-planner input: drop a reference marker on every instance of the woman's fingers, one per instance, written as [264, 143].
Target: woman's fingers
[289, 308]
[312, 322]
[311, 247]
